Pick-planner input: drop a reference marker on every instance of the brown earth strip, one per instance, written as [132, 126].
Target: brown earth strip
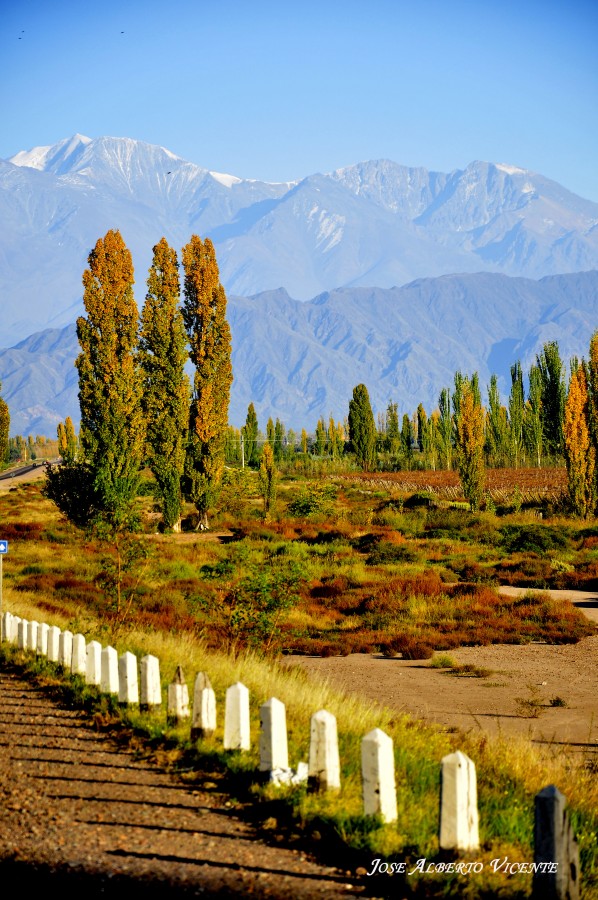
[77, 811]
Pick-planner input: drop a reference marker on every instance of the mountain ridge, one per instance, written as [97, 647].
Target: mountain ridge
[375, 223]
[300, 360]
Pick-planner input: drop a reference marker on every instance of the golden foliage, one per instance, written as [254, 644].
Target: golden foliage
[580, 454]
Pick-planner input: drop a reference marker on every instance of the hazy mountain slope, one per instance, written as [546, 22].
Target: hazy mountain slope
[300, 360]
[375, 223]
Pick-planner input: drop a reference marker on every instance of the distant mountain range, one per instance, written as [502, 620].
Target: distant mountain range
[300, 360]
[373, 224]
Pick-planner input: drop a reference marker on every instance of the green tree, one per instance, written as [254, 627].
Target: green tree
[321, 437]
[516, 411]
[279, 440]
[362, 428]
[110, 380]
[445, 428]
[469, 444]
[304, 444]
[393, 435]
[532, 418]
[4, 429]
[250, 432]
[71, 441]
[553, 397]
[407, 440]
[497, 426]
[204, 315]
[267, 478]
[592, 373]
[162, 355]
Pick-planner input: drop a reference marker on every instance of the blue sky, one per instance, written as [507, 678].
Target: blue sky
[279, 90]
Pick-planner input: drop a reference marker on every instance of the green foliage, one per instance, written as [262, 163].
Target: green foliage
[110, 383]
[267, 478]
[362, 428]
[534, 538]
[123, 568]
[162, 355]
[469, 441]
[208, 331]
[72, 488]
[551, 371]
[252, 606]
[250, 432]
[314, 499]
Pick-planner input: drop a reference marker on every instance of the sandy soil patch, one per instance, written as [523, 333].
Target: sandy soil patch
[542, 673]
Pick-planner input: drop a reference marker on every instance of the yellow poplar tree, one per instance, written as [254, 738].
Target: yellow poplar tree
[580, 454]
[110, 380]
[267, 478]
[469, 444]
[4, 429]
[204, 315]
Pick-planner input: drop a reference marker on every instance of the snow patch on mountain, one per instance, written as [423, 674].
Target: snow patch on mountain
[373, 223]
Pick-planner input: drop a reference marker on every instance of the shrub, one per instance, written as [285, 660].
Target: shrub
[534, 538]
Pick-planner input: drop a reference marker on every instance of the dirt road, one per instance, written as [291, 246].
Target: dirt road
[85, 817]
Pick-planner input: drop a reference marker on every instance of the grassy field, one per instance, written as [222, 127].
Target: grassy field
[342, 566]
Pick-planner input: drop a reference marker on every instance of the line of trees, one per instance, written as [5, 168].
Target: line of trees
[137, 405]
[554, 422]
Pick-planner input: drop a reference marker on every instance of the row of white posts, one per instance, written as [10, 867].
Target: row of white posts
[458, 831]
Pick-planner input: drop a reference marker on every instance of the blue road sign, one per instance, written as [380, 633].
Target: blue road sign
[3, 546]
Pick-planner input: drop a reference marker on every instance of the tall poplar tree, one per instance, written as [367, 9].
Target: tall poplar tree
[362, 428]
[445, 428]
[553, 396]
[162, 355]
[4, 429]
[250, 432]
[497, 426]
[204, 315]
[110, 380]
[516, 412]
[532, 420]
[469, 443]
[580, 454]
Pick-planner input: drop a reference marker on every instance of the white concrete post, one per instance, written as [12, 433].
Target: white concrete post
[93, 664]
[178, 699]
[22, 634]
[274, 753]
[42, 639]
[32, 635]
[79, 656]
[378, 776]
[151, 687]
[204, 708]
[6, 626]
[458, 804]
[324, 763]
[554, 846]
[65, 649]
[14, 630]
[109, 679]
[236, 718]
[53, 643]
[128, 682]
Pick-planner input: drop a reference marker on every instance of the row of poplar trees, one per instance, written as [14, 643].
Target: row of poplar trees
[137, 405]
[562, 420]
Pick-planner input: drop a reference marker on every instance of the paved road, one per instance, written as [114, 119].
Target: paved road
[77, 812]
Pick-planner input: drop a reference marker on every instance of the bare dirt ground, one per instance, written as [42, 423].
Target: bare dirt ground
[497, 703]
[80, 816]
